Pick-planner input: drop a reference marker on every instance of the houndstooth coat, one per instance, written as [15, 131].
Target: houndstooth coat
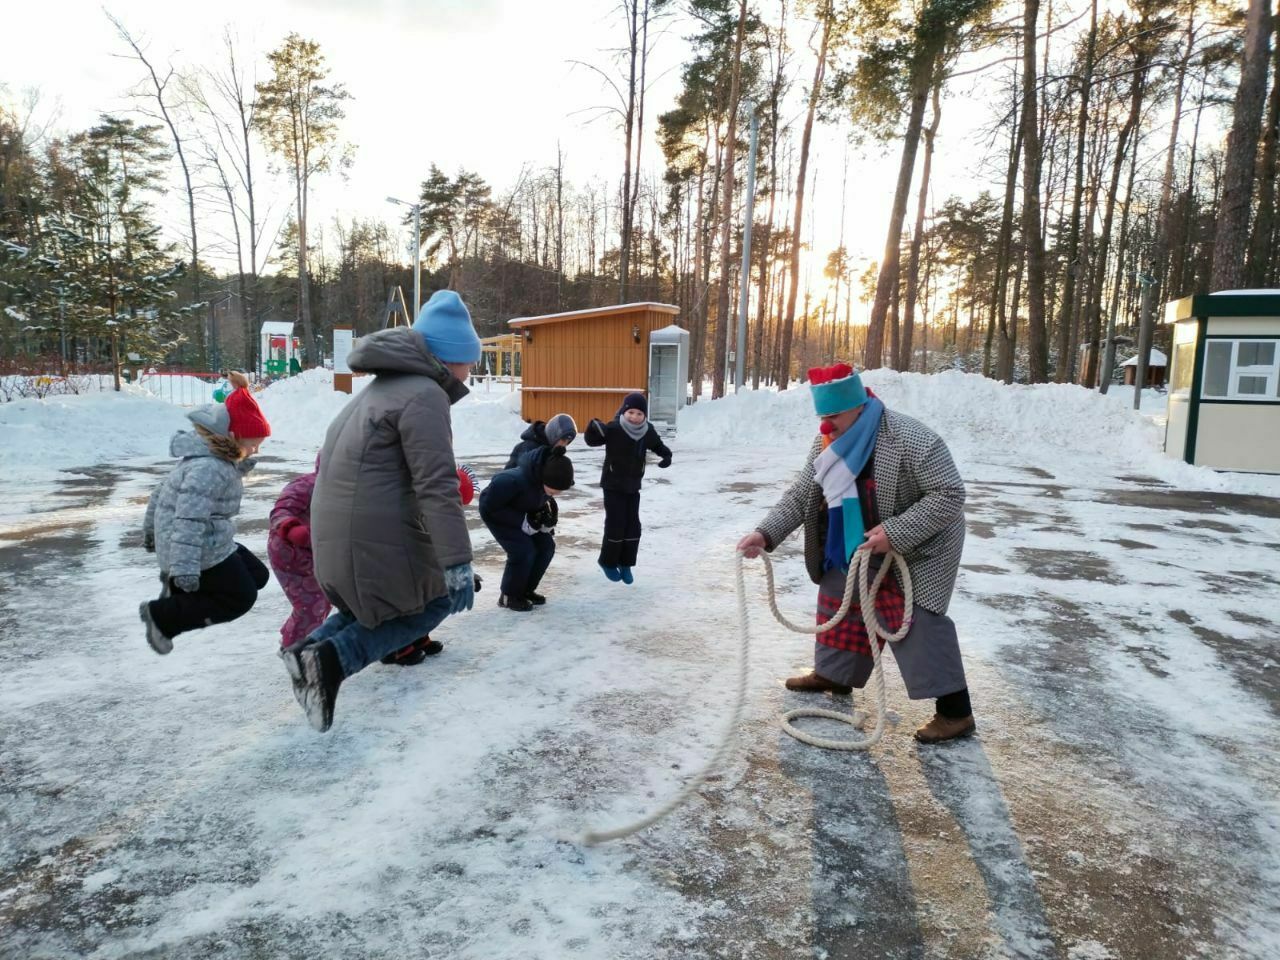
[919, 495]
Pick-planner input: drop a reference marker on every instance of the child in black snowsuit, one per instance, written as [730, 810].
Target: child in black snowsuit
[626, 439]
[519, 508]
[559, 431]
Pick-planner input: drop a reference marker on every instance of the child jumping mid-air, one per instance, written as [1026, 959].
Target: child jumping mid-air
[206, 577]
[289, 553]
[626, 439]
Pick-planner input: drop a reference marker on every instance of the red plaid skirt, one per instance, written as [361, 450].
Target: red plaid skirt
[851, 633]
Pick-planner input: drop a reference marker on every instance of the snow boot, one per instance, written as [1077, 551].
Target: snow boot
[322, 676]
[155, 636]
[414, 653]
[613, 573]
[292, 659]
[536, 599]
[519, 604]
[941, 729]
[625, 574]
[814, 682]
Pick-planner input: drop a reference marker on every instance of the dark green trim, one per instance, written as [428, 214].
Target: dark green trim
[1216, 305]
[1245, 305]
[1242, 336]
[1273, 401]
[1197, 382]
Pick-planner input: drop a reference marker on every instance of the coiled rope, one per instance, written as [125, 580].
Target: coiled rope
[858, 579]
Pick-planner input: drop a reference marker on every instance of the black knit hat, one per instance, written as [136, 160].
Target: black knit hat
[557, 470]
[634, 401]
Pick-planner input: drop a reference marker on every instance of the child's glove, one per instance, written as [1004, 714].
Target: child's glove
[299, 534]
[188, 582]
[479, 582]
[544, 519]
[460, 582]
[664, 462]
[149, 541]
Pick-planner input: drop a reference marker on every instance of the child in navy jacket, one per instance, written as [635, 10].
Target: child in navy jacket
[519, 508]
[626, 439]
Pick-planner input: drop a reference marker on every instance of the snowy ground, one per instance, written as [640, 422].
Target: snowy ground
[1117, 612]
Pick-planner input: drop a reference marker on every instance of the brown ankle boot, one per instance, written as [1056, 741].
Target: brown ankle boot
[814, 682]
[942, 728]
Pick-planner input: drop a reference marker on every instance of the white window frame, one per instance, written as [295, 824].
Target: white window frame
[1270, 371]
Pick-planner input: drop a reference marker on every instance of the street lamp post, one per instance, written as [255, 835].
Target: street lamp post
[417, 253]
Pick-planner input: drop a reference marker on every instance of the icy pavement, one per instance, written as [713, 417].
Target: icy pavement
[1119, 801]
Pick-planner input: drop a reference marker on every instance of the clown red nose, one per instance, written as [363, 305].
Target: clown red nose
[826, 427]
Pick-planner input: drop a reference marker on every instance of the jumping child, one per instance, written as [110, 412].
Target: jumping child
[626, 439]
[559, 431]
[289, 553]
[206, 576]
[519, 508]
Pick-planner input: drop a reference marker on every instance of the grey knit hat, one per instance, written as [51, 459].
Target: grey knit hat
[561, 427]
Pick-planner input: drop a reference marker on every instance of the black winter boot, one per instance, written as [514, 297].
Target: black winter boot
[322, 673]
[536, 599]
[519, 604]
[414, 653]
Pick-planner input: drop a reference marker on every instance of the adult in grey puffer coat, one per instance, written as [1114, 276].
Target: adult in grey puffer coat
[388, 534]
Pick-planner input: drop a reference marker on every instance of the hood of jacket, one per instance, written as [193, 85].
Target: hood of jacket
[188, 443]
[531, 464]
[403, 350]
[536, 433]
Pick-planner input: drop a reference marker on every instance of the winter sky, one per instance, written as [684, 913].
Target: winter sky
[489, 85]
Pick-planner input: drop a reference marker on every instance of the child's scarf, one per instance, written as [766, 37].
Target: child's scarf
[836, 470]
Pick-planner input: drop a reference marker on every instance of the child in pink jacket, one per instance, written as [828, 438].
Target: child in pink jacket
[289, 553]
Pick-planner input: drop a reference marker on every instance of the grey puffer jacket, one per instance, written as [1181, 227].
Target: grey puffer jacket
[190, 512]
[386, 518]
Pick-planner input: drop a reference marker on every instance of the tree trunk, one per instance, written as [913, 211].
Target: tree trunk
[628, 121]
[1262, 247]
[917, 238]
[922, 79]
[1062, 372]
[784, 360]
[1004, 251]
[1231, 237]
[1033, 240]
[726, 224]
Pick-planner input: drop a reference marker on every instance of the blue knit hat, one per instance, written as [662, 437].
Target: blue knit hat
[835, 389]
[445, 324]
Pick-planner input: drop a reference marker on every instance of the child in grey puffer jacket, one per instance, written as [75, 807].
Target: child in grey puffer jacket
[206, 576]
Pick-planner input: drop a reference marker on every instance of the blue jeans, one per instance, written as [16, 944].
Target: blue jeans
[358, 646]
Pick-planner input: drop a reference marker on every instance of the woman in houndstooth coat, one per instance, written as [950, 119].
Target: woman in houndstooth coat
[894, 482]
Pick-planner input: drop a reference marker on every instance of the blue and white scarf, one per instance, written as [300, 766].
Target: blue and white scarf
[836, 470]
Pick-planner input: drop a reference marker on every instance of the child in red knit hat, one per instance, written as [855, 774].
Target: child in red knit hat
[206, 576]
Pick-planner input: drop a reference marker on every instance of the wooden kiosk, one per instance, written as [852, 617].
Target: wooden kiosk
[1224, 387]
[584, 362]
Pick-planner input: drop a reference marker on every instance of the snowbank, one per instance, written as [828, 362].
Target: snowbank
[38, 438]
[301, 408]
[1072, 432]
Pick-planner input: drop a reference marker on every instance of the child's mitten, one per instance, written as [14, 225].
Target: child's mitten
[149, 542]
[664, 462]
[188, 582]
[299, 534]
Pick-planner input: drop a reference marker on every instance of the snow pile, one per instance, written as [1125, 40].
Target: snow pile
[1072, 432]
[300, 409]
[41, 437]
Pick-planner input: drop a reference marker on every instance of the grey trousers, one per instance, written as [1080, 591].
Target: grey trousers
[928, 657]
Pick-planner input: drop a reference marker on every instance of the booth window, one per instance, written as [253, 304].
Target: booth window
[1183, 363]
[1241, 370]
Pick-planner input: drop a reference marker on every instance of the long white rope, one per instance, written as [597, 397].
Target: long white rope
[856, 579]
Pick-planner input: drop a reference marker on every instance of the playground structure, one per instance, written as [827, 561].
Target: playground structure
[501, 360]
[280, 350]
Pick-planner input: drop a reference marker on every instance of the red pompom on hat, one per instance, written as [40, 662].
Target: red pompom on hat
[247, 419]
[836, 371]
[466, 484]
